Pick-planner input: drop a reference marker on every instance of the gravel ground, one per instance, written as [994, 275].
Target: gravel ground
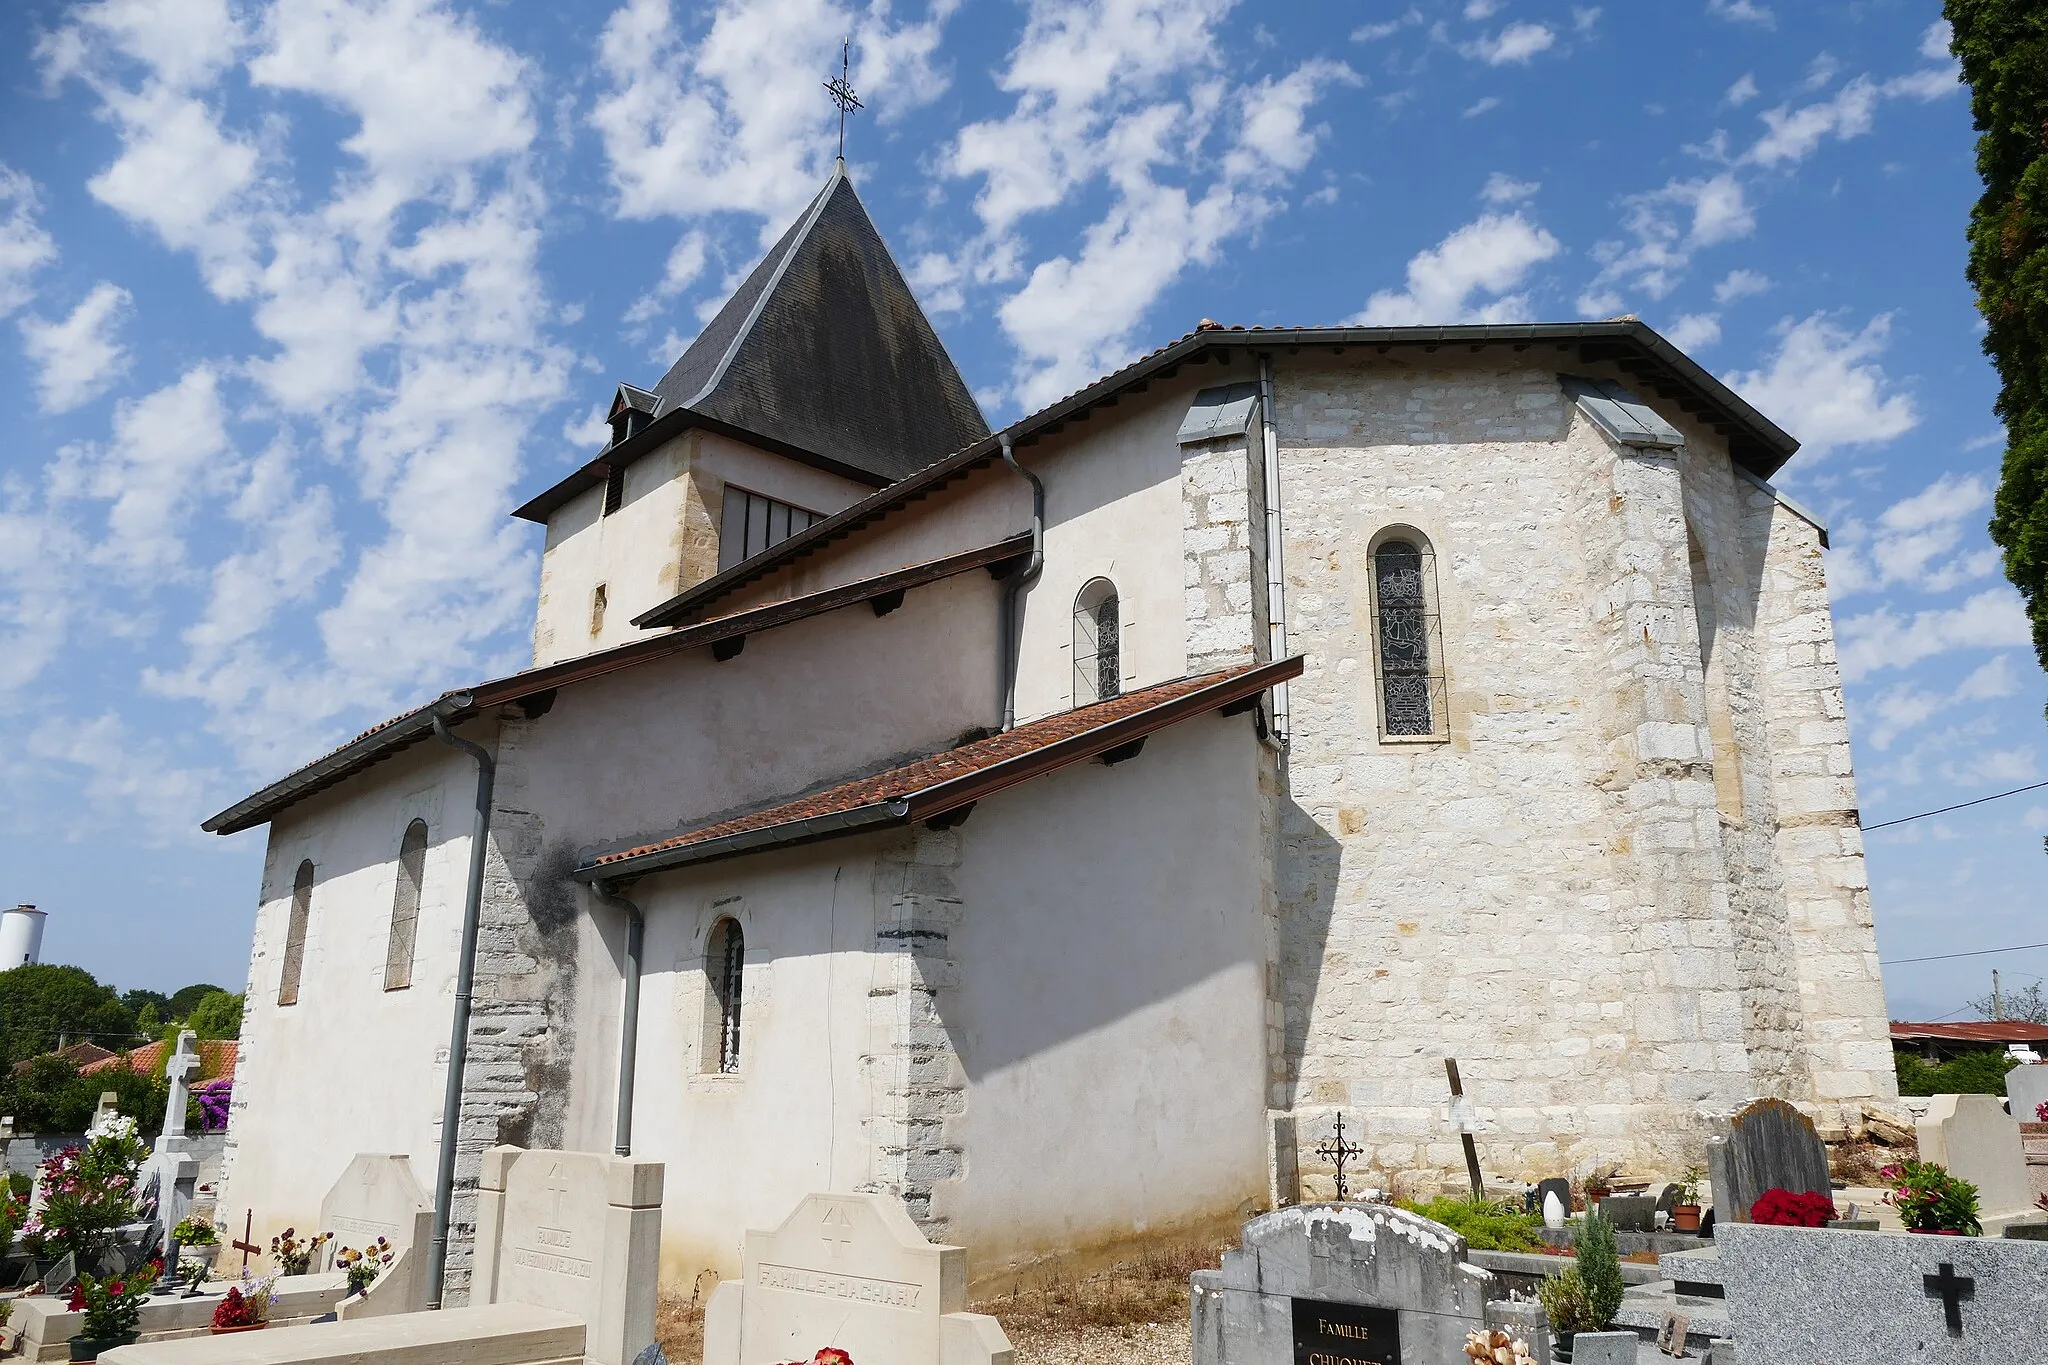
[1149, 1343]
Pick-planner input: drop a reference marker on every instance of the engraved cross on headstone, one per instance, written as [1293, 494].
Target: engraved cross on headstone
[1952, 1289]
[837, 1232]
[558, 1186]
[184, 1063]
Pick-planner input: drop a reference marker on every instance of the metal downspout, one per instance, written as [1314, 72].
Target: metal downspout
[1276, 570]
[629, 1015]
[1013, 595]
[465, 986]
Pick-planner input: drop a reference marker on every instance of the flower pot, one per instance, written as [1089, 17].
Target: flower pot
[1685, 1217]
[89, 1348]
[1561, 1348]
[248, 1327]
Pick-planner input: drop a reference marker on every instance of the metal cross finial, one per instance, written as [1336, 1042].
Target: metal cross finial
[841, 91]
[1337, 1151]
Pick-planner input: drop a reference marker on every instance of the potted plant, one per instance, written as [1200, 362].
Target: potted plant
[1597, 1185]
[1929, 1199]
[1786, 1209]
[1587, 1295]
[1685, 1209]
[112, 1309]
[246, 1306]
[363, 1267]
[293, 1256]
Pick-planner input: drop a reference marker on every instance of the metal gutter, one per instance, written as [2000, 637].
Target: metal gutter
[629, 1014]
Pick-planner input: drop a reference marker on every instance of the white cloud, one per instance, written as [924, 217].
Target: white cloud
[1514, 45]
[1491, 255]
[1585, 18]
[1824, 385]
[1821, 72]
[1881, 639]
[1742, 92]
[1904, 707]
[1918, 541]
[1477, 10]
[1741, 284]
[166, 451]
[1694, 331]
[79, 358]
[1743, 12]
[1372, 33]
[1795, 134]
[1484, 105]
[24, 247]
[1669, 225]
[686, 261]
[1934, 42]
[1504, 189]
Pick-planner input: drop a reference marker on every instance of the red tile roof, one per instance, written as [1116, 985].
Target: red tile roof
[80, 1055]
[955, 778]
[1986, 1031]
[216, 1058]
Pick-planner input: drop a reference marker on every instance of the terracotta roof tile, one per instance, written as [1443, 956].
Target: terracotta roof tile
[216, 1058]
[1987, 1031]
[1145, 710]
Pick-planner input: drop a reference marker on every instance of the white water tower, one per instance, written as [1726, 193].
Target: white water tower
[21, 936]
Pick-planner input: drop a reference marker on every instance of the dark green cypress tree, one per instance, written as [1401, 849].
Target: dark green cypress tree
[2003, 46]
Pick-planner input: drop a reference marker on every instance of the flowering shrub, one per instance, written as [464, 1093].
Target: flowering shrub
[364, 1266]
[830, 1355]
[2041, 1111]
[294, 1257]
[213, 1099]
[88, 1191]
[194, 1232]
[1929, 1199]
[234, 1310]
[1785, 1209]
[111, 1307]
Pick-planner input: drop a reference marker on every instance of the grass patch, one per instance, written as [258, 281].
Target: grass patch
[1049, 1299]
[1485, 1225]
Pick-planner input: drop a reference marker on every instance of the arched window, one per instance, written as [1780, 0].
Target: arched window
[405, 906]
[1407, 648]
[725, 962]
[295, 935]
[598, 597]
[1098, 643]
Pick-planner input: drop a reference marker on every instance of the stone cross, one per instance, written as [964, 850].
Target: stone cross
[180, 1068]
[1952, 1289]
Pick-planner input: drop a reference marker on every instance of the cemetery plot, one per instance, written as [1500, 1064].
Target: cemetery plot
[1770, 1146]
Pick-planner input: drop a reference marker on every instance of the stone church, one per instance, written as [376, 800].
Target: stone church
[1057, 827]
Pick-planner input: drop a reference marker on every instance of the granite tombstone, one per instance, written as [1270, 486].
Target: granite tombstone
[2026, 1090]
[850, 1271]
[1340, 1284]
[1769, 1146]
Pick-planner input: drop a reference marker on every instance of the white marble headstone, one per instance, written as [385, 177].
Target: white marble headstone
[378, 1196]
[1976, 1139]
[577, 1232]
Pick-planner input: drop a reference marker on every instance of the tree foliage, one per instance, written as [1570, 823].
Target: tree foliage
[2027, 1005]
[186, 1000]
[218, 1015]
[40, 1004]
[2003, 46]
[1972, 1073]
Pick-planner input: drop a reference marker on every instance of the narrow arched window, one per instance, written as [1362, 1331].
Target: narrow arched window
[1406, 645]
[405, 907]
[726, 963]
[295, 935]
[1098, 643]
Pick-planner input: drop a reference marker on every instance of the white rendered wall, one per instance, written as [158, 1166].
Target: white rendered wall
[351, 1067]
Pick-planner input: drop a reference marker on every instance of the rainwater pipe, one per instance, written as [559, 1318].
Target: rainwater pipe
[465, 986]
[1013, 647]
[629, 1015]
[1276, 573]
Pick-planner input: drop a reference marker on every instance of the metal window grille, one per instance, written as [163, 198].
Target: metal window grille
[295, 935]
[614, 488]
[731, 959]
[1406, 651]
[752, 523]
[1098, 643]
[405, 907]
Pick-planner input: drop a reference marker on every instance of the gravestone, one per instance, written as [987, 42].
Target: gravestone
[851, 1271]
[1558, 1185]
[2026, 1088]
[576, 1232]
[62, 1275]
[103, 1113]
[1815, 1294]
[1976, 1140]
[1340, 1284]
[172, 1170]
[1630, 1212]
[1769, 1146]
[1667, 1198]
[377, 1196]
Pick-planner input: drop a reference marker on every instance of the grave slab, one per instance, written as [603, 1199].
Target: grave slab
[378, 1196]
[851, 1271]
[1769, 1145]
[1977, 1140]
[1813, 1294]
[1342, 1284]
[41, 1327]
[501, 1334]
[576, 1232]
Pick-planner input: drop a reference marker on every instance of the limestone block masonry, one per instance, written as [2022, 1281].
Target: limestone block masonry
[1604, 891]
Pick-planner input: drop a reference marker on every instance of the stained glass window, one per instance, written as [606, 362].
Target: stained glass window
[1098, 643]
[1404, 615]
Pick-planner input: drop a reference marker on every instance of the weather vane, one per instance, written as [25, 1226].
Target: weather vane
[842, 92]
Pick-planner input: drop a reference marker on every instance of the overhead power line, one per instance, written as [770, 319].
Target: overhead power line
[1981, 952]
[1958, 806]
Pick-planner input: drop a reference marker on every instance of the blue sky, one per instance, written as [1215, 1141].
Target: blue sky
[301, 296]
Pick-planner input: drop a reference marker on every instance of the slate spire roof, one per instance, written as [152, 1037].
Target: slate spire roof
[825, 348]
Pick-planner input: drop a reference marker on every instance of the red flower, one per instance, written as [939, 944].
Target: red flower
[1783, 1208]
[831, 1355]
[77, 1304]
